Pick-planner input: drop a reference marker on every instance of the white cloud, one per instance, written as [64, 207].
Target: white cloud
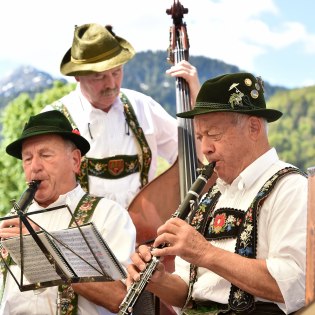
[238, 32]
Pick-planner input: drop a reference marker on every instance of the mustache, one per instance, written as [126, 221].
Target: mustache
[110, 92]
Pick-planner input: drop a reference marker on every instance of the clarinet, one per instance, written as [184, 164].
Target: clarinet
[182, 212]
[25, 199]
[27, 196]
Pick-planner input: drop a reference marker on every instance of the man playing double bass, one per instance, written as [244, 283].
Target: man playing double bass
[127, 130]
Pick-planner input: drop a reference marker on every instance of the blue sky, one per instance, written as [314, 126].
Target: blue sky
[271, 38]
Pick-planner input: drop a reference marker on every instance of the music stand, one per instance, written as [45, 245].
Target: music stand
[60, 276]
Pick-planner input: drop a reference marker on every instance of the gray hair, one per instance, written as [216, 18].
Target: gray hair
[238, 119]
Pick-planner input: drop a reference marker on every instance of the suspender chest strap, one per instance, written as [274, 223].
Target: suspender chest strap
[246, 244]
[146, 154]
[82, 215]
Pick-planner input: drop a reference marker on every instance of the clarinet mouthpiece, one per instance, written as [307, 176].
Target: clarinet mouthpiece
[34, 183]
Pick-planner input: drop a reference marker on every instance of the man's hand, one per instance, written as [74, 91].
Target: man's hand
[11, 228]
[188, 72]
[182, 240]
[140, 260]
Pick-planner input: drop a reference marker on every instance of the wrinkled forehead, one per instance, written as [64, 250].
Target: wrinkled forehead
[215, 120]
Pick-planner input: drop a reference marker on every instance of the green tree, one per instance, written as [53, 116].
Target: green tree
[13, 118]
[293, 134]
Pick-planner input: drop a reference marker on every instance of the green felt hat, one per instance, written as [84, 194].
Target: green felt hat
[236, 93]
[95, 48]
[51, 122]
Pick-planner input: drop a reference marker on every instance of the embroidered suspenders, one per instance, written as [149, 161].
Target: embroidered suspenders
[196, 219]
[146, 155]
[82, 215]
[120, 165]
[227, 223]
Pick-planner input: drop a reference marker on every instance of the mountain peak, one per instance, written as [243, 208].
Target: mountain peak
[24, 79]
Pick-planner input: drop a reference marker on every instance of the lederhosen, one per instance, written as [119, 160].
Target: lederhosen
[232, 223]
[117, 166]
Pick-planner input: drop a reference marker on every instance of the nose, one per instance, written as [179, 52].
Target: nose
[207, 146]
[111, 82]
[36, 165]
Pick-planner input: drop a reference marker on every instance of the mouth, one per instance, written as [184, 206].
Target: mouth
[35, 182]
[215, 164]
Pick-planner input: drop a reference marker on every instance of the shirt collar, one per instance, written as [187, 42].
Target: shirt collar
[69, 198]
[251, 173]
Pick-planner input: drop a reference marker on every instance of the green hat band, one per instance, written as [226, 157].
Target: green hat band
[239, 93]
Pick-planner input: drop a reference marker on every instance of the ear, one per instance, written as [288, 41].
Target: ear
[76, 158]
[254, 127]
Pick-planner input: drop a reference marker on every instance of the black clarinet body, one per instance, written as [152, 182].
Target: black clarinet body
[27, 196]
[194, 192]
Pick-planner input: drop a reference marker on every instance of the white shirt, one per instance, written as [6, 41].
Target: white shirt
[281, 232]
[114, 224]
[107, 135]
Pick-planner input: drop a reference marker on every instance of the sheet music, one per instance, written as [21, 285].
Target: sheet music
[73, 239]
[37, 268]
[74, 263]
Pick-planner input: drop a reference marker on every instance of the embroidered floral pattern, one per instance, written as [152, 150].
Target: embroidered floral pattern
[146, 156]
[58, 105]
[225, 223]
[82, 177]
[198, 217]
[83, 211]
[204, 204]
[219, 222]
[238, 295]
[82, 215]
[69, 300]
[205, 207]
[246, 235]
[99, 167]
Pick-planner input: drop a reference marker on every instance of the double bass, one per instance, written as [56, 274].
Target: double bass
[158, 200]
